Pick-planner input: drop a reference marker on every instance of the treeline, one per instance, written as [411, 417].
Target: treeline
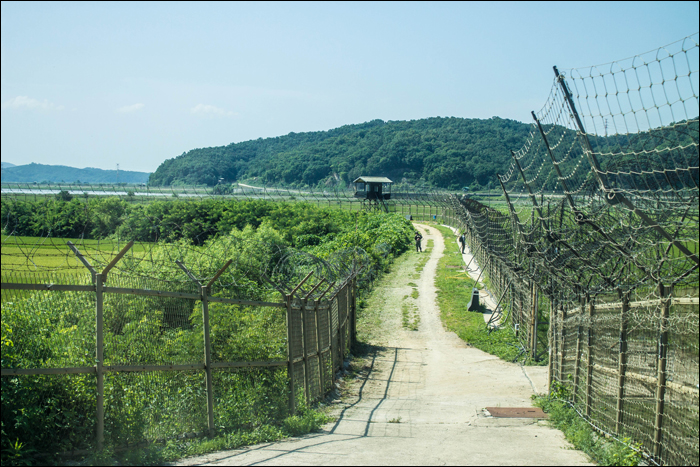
[300, 225]
[60, 173]
[442, 152]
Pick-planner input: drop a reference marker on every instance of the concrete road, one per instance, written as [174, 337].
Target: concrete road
[419, 400]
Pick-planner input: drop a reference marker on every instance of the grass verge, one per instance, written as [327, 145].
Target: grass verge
[605, 451]
[454, 292]
[306, 420]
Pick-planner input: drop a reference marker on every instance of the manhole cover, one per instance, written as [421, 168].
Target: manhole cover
[516, 412]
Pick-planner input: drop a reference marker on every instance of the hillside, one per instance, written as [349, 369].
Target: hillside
[442, 152]
[60, 173]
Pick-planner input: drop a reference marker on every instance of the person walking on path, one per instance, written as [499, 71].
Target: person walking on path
[462, 241]
[418, 237]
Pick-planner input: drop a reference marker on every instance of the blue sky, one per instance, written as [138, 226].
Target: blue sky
[96, 84]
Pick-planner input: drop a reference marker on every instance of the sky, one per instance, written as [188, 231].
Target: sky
[99, 84]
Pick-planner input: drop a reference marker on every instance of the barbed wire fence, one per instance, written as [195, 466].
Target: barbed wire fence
[114, 344]
[598, 237]
[418, 202]
[593, 253]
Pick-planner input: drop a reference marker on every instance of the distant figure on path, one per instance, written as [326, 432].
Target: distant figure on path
[462, 240]
[418, 238]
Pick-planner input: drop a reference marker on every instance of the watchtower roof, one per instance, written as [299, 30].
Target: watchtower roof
[372, 180]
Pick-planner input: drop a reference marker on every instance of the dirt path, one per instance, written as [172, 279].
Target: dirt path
[419, 398]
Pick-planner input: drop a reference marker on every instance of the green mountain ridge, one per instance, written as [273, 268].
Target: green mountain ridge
[33, 172]
[446, 152]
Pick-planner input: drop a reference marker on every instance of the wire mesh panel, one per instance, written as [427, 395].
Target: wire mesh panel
[335, 335]
[248, 397]
[299, 370]
[325, 357]
[154, 405]
[241, 333]
[48, 328]
[44, 330]
[151, 330]
[58, 411]
[324, 325]
[297, 342]
[310, 331]
[342, 299]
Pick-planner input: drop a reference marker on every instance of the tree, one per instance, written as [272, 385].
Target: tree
[64, 196]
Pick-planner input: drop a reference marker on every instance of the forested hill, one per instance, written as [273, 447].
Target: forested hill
[444, 152]
[61, 173]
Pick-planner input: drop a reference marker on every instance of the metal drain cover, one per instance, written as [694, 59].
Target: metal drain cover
[516, 412]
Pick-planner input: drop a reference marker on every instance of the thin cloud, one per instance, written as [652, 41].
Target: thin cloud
[25, 102]
[131, 108]
[203, 109]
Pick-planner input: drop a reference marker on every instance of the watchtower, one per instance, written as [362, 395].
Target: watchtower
[373, 191]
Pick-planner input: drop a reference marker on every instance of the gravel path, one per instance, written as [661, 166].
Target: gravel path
[419, 398]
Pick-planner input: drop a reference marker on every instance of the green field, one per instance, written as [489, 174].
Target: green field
[42, 254]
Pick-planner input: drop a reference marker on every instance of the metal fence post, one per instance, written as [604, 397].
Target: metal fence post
[207, 342]
[98, 279]
[290, 355]
[353, 323]
[552, 344]
[589, 360]
[207, 361]
[622, 363]
[341, 325]
[664, 294]
[577, 358]
[321, 379]
[535, 318]
[99, 363]
[562, 356]
[331, 337]
[305, 344]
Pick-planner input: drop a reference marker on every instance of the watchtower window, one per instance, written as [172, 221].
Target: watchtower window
[360, 187]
